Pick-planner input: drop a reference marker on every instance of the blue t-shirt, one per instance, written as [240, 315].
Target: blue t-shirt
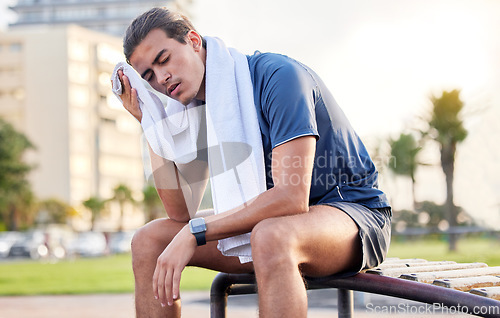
[291, 102]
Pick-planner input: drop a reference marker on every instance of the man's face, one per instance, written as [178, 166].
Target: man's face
[170, 67]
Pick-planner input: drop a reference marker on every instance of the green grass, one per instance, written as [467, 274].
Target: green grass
[113, 274]
[470, 249]
[96, 275]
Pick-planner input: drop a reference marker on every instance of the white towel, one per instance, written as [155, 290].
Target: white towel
[171, 128]
[235, 156]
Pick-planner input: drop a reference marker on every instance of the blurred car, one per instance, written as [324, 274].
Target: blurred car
[119, 242]
[31, 244]
[49, 241]
[88, 244]
[7, 239]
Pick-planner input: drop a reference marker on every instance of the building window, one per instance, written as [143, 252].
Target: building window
[108, 120]
[113, 102]
[18, 94]
[78, 50]
[80, 142]
[80, 164]
[79, 119]
[126, 124]
[108, 54]
[15, 47]
[78, 73]
[105, 79]
[79, 96]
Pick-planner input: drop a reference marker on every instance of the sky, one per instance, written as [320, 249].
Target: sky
[382, 60]
[6, 15]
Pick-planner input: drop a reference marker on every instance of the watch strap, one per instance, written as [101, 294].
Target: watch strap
[200, 238]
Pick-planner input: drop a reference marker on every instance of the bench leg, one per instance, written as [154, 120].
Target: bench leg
[218, 306]
[218, 295]
[345, 303]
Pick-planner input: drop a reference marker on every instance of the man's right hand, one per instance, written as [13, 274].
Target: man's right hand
[129, 97]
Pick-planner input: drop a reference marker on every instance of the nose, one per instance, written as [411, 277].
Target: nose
[163, 76]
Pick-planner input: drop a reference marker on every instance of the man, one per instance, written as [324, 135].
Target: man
[321, 214]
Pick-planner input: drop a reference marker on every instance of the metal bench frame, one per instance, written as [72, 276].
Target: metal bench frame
[239, 284]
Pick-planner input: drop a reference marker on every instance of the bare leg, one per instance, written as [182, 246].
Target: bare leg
[321, 242]
[148, 243]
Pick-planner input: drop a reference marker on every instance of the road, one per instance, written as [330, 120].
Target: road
[196, 305]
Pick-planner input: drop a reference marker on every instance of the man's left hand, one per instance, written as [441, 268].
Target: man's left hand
[170, 264]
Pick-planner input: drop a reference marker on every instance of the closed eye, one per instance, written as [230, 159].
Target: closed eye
[148, 76]
[165, 60]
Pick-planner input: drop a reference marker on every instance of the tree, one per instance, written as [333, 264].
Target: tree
[96, 206]
[123, 195]
[152, 203]
[446, 127]
[403, 160]
[16, 197]
[54, 211]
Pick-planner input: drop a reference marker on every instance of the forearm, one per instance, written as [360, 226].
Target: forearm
[274, 202]
[168, 185]
[174, 204]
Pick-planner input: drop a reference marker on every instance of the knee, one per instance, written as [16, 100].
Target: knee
[148, 242]
[139, 240]
[139, 246]
[272, 245]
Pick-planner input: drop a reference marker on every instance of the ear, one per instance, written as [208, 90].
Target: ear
[195, 40]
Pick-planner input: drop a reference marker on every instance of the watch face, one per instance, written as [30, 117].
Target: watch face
[198, 225]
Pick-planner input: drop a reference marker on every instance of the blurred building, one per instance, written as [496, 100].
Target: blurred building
[108, 16]
[55, 87]
[55, 66]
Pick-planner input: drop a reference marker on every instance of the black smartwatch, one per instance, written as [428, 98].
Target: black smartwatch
[198, 227]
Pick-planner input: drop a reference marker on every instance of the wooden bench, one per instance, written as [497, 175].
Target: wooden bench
[472, 288]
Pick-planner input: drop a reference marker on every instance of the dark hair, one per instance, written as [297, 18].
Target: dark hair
[175, 25]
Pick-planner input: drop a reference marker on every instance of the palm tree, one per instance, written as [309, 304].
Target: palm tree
[123, 195]
[446, 127]
[404, 151]
[152, 202]
[96, 205]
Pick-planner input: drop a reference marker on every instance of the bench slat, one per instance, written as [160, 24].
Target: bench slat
[429, 277]
[468, 283]
[490, 292]
[396, 272]
[403, 265]
[395, 260]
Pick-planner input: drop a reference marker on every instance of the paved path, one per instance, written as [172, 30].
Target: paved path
[195, 306]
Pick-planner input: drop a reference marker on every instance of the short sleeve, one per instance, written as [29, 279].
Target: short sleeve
[288, 101]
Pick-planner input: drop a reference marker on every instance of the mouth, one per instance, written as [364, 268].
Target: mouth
[172, 89]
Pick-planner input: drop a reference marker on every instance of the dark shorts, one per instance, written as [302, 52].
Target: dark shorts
[374, 231]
